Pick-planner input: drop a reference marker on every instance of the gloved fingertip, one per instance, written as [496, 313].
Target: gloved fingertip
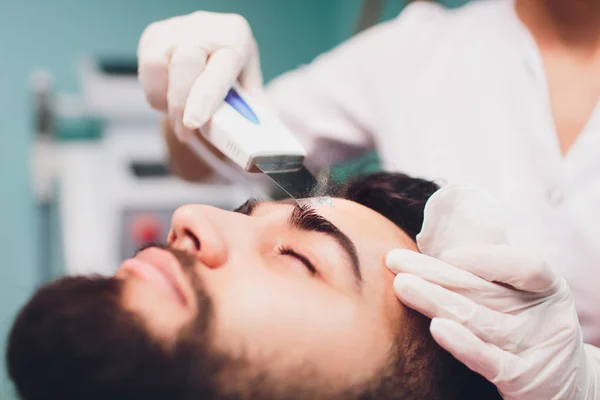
[447, 333]
[399, 283]
[396, 257]
[403, 283]
[198, 110]
[391, 257]
[194, 121]
[484, 358]
[442, 325]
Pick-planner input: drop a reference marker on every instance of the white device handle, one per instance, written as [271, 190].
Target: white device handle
[248, 133]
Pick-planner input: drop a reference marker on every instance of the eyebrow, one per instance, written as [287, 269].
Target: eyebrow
[308, 220]
[248, 207]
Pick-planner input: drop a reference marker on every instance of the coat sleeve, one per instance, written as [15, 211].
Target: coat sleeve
[331, 103]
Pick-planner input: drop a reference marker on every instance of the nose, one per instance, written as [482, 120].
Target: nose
[198, 230]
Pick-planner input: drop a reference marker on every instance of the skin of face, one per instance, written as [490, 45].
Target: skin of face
[268, 306]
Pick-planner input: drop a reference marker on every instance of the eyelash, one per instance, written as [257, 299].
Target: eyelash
[288, 251]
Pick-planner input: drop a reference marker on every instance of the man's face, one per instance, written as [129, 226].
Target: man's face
[289, 286]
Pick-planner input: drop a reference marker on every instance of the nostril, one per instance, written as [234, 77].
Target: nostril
[194, 238]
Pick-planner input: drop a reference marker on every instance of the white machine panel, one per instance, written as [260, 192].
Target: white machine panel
[114, 197]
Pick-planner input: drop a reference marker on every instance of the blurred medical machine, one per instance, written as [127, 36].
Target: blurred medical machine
[100, 171]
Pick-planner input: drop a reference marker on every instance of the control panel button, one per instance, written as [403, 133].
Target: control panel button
[146, 229]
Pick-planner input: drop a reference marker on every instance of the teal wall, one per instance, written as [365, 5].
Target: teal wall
[52, 33]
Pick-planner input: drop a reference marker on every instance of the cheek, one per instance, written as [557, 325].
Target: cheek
[275, 318]
[283, 310]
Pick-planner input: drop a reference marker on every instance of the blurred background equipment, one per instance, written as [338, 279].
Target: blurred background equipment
[111, 191]
[82, 169]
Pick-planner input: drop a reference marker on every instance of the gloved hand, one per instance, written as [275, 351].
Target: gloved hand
[497, 309]
[187, 64]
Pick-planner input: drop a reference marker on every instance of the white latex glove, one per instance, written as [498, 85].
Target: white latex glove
[497, 309]
[187, 65]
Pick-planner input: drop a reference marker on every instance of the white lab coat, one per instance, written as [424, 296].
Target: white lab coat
[461, 96]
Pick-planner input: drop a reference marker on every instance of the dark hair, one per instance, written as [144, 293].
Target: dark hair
[67, 343]
[398, 197]
[73, 340]
[436, 374]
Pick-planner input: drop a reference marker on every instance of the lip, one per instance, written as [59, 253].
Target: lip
[161, 269]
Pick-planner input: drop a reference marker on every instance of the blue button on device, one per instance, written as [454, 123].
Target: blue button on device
[236, 101]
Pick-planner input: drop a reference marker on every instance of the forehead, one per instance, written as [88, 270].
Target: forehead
[371, 232]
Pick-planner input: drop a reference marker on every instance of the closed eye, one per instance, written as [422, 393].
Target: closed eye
[291, 252]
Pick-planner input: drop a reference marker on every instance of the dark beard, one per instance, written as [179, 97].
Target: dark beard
[417, 368]
[208, 374]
